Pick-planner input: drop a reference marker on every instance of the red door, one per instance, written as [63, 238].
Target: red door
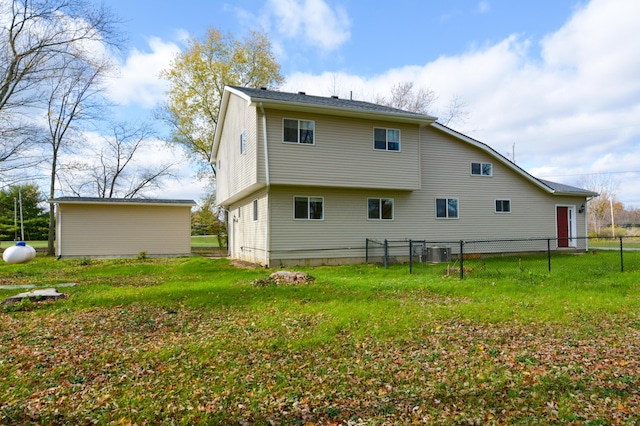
[562, 217]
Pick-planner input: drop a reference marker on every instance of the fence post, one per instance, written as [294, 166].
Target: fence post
[386, 254]
[621, 256]
[366, 251]
[549, 252]
[461, 259]
[410, 257]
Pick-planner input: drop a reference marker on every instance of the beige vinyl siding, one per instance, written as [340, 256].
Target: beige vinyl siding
[237, 171]
[94, 230]
[343, 154]
[344, 228]
[247, 236]
[446, 173]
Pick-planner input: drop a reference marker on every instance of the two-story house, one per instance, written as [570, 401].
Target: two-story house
[307, 179]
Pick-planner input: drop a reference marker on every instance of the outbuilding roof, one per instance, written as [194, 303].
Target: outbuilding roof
[127, 201]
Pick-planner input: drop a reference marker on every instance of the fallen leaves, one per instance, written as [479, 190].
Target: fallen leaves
[141, 364]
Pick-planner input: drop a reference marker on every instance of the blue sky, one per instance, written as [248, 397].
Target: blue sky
[557, 79]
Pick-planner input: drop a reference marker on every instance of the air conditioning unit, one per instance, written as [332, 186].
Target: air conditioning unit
[437, 254]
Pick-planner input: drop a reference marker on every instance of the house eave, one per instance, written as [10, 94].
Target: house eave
[344, 112]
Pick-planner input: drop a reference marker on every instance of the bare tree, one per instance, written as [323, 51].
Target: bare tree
[35, 35]
[75, 95]
[406, 97]
[117, 169]
[600, 208]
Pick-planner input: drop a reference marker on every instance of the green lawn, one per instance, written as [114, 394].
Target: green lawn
[193, 340]
[199, 243]
[629, 242]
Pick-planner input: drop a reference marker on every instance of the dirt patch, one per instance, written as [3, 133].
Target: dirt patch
[245, 265]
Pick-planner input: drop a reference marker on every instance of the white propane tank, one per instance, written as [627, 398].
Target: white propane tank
[20, 253]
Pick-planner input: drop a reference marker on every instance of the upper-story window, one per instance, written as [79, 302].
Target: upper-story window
[482, 169]
[386, 139]
[298, 131]
[503, 206]
[243, 142]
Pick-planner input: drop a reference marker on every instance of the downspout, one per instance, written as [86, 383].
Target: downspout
[586, 222]
[268, 182]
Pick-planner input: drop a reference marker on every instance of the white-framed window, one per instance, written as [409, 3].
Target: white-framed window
[308, 208]
[255, 210]
[481, 169]
[503, 206]
[386, 139]
[243, 142]
[298, 131]
[447, 208]
[380, 208]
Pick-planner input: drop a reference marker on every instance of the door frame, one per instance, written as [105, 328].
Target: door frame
[572, 225]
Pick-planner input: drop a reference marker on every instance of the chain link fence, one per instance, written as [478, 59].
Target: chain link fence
[491, 257]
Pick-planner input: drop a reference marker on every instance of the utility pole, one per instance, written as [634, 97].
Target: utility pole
[21, 216]
[613, 225]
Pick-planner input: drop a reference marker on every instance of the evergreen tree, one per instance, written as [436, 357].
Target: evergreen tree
[34, 214]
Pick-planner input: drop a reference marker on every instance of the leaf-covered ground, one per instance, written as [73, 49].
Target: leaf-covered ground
[149, 365]
[288, 362]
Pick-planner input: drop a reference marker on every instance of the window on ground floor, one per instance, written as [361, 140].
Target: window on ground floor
[308, 208]
[380, 208]
[446, 208]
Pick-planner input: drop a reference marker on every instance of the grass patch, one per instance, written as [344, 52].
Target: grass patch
[193, 340]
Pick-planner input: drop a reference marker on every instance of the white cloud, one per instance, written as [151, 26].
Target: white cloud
[575, 109]
[313, 22]
[483, 7]
[139, 81]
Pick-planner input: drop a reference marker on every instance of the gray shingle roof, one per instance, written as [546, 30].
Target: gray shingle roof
[120, 200]
[568, 189]
[329, 102]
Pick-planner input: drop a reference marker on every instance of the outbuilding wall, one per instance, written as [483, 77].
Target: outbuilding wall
[122, 230]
